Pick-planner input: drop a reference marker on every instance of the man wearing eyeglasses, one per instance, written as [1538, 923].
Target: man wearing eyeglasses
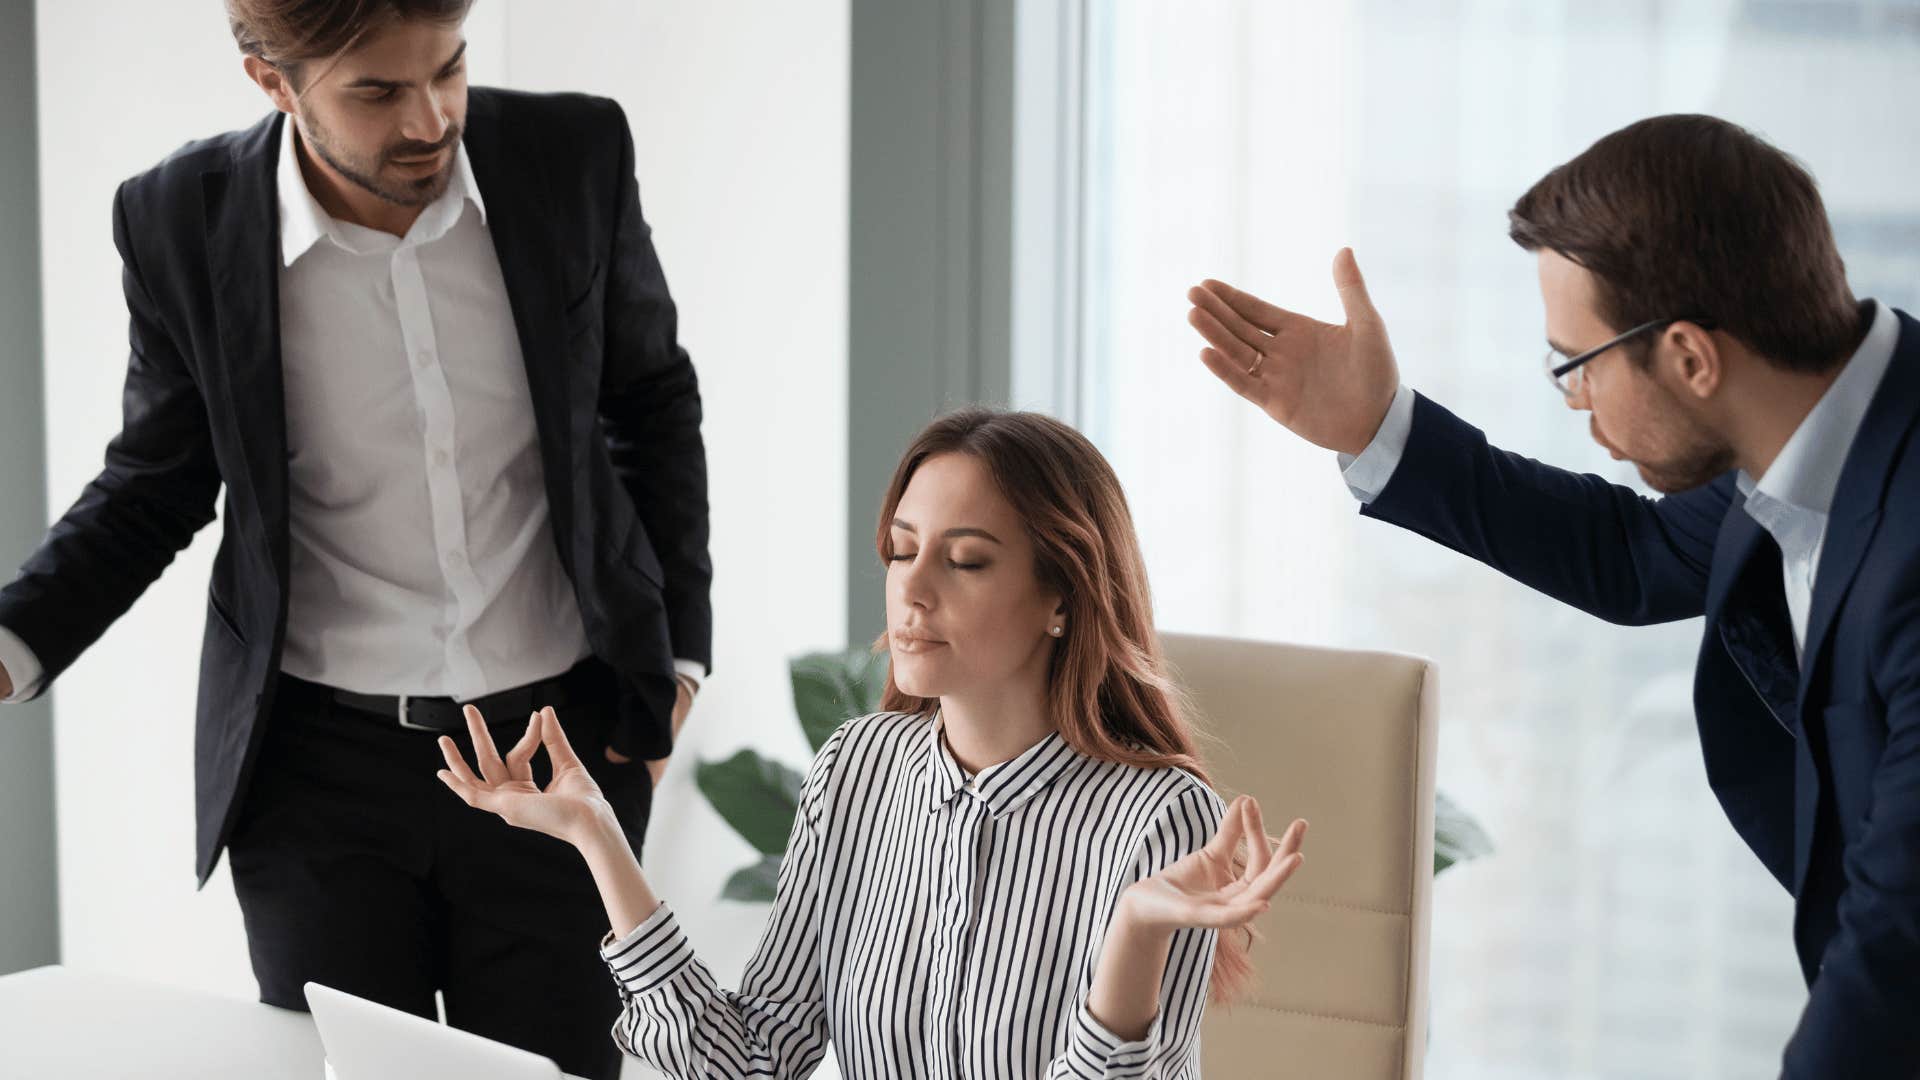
[1699, 313]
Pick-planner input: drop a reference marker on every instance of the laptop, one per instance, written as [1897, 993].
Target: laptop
[368, 1041]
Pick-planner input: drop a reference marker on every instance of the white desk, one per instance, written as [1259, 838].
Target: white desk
[71, 1024]
[76, 1025]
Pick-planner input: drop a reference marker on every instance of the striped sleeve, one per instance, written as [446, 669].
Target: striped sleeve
[678, 1020]
[1171, 1048]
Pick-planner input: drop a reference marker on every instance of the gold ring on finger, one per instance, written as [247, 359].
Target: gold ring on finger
[1258, 359]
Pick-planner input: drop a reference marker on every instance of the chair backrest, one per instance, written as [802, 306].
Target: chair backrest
[1346, 740]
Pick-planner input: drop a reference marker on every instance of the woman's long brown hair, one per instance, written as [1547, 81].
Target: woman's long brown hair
[1108, 693]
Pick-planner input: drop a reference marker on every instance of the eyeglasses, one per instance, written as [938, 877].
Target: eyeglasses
[1564, 372]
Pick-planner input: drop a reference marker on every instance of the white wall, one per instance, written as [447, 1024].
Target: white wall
[739, 113]
[29, 897]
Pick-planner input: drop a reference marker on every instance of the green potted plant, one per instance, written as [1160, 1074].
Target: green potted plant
[759, 797]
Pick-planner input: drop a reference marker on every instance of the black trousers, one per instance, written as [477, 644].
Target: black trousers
[356, 868]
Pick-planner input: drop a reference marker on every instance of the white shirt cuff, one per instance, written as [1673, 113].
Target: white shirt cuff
[1094, 1050]
[650, 955]
[21, 666]
[1368, 474]
[694, 671]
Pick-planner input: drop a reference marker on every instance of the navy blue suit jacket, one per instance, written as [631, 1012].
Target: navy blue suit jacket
[1817, 763]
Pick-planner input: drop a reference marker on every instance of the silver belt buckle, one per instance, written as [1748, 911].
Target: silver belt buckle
[406, 723]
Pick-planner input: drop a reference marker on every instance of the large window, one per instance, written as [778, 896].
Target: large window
[1621, 928]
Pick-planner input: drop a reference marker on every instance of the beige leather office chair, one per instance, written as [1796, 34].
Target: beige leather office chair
[1345, 740]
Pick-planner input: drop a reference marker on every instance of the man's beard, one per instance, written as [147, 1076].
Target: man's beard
[409, 193]
[1701, 457]
[1685, 474]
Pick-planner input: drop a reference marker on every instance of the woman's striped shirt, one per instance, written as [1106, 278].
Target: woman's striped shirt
[932, 924]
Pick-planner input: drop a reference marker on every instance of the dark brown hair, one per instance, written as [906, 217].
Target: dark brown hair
[287, 33]
[1692, 217]
[1108, 693]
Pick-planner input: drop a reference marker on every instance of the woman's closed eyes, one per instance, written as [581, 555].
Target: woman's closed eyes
[952, 564]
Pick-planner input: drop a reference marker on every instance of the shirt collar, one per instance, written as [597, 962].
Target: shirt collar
[303, 223]
[1005, 787]
[1806, 472]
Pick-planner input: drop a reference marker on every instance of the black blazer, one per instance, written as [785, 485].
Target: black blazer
[614, 396]
[1817, 763]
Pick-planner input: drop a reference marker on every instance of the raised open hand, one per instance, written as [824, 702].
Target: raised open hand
[566, 809]
[1205, 890]
[1330, 385]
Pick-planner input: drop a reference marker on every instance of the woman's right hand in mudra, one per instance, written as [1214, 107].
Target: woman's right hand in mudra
[567, 809]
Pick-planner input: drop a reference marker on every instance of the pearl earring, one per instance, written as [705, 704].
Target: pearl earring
[1057, 631]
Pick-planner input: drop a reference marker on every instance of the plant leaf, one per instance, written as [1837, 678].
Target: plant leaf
[755, 883]
[1457, 837]
[830, 688]
[757, 797]
[875, 665]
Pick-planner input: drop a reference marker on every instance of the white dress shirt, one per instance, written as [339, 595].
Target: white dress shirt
[423, 559]
[931, 924]
[1792, 500]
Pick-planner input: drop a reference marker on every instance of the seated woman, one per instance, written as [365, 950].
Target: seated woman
[1018, 869]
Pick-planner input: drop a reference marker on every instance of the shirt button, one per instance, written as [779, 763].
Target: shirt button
[440, 458]
[456, 560]
[423, 359]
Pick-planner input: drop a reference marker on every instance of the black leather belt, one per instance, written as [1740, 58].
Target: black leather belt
[442, 715]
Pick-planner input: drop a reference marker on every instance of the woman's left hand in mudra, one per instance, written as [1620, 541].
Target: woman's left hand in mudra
[1205, 889]
[567, 809]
